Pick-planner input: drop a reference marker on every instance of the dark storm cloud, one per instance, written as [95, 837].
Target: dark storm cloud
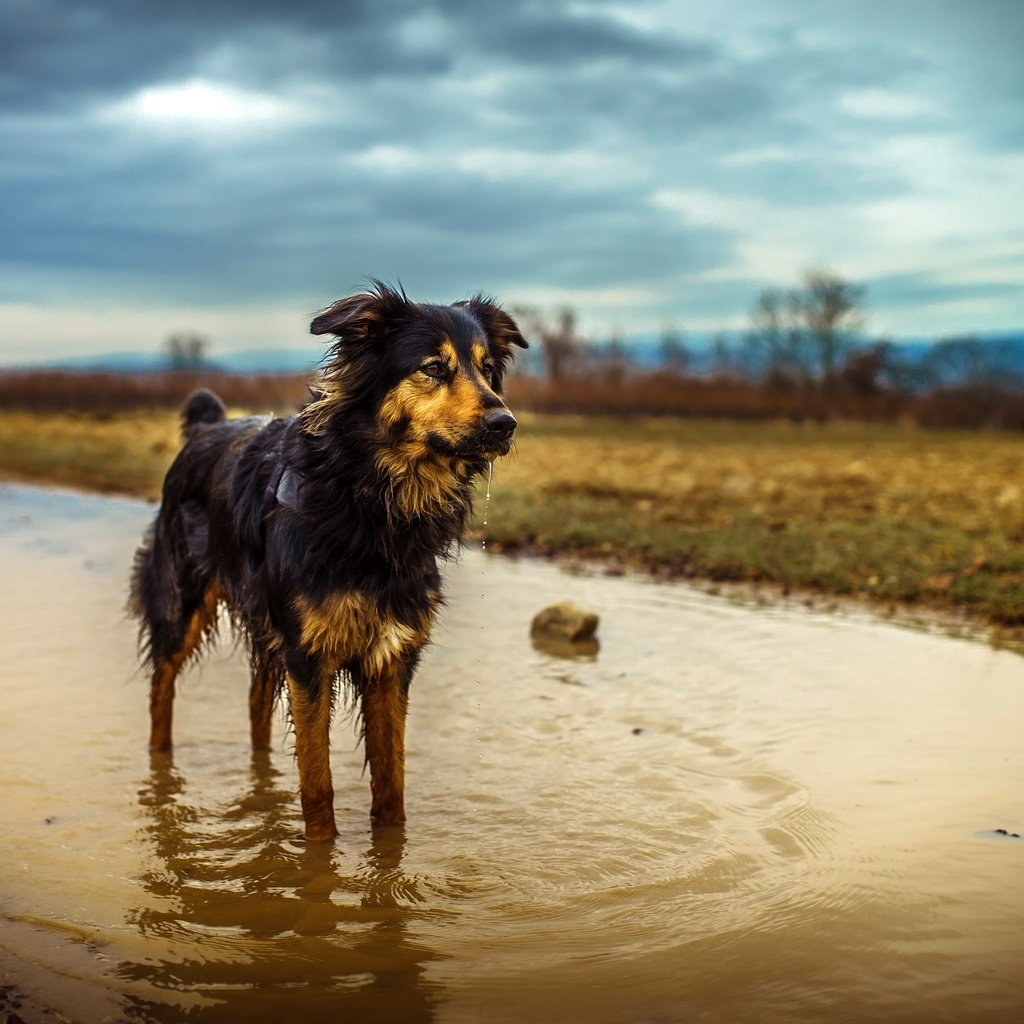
[546, 35]
[193, 230]
[270, 212]
[54, 53]
[51, 52]
[464, 144]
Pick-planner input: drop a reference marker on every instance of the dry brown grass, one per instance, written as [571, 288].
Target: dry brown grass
[893, 513]
[126, 453]
[700, 473]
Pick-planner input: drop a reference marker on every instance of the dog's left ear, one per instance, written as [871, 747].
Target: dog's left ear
[357, 317]
[501, 330]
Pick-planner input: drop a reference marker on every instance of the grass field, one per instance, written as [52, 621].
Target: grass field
[896, 514]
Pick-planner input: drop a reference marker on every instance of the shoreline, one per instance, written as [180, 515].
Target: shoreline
[956, 621]
[911, 524]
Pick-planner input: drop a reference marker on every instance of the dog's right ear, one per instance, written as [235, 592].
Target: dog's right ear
[357, 317]
[347, 318]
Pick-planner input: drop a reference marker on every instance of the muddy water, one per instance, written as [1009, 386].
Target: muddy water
[727, 814]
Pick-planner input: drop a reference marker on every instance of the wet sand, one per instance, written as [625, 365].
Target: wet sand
[728, 814]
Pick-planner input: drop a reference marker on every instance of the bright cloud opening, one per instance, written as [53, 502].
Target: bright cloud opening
[199, 102]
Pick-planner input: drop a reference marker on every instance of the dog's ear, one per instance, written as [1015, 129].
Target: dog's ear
[359, 316]
[358, 323]
[501, 330]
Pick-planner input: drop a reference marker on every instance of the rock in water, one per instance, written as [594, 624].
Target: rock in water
[564, 622]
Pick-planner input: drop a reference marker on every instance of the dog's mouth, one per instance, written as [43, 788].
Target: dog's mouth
[483, 444]
[494, 449]
[490, 438]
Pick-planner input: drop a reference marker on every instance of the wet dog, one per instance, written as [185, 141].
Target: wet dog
[321, 534]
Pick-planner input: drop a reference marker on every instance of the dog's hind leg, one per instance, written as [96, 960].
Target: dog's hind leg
[168, 658]
[385, 697]
[309, 697]
[263, 690]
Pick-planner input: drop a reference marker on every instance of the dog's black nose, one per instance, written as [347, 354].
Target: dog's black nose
[500, 422]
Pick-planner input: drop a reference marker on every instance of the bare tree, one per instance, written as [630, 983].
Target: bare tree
[675, 356]
[559, 342]
[187, 350]
[777, 345]
[832, 309]
[768, 332]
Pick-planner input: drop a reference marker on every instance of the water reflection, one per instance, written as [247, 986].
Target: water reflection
[239, 912]
[559, 647]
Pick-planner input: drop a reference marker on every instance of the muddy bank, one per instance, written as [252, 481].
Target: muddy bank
[950, 620]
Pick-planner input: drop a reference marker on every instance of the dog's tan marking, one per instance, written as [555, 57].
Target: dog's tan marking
[161, 691]
[422, 484]
[349, 627]
[338, 624]
[449, 356]
[385, 703]
[393, 640]
[479, 354]
[424, 405]
[312, 720]
[416, 409]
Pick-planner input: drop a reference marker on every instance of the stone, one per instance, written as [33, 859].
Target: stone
[564, 622]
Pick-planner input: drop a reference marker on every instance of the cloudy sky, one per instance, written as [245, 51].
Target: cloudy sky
[234, 165]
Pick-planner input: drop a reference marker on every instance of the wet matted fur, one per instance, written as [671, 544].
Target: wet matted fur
[321, 534]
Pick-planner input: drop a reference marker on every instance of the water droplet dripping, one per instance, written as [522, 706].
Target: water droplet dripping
[487, 503]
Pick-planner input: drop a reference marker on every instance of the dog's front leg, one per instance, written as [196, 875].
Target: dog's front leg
[309, 693]
[384, 694]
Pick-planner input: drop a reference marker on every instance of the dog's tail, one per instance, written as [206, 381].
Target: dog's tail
[201, 406]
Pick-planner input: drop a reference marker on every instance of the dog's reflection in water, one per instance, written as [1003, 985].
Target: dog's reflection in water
[245, 920]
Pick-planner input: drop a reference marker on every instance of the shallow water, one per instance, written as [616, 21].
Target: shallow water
[727, 814]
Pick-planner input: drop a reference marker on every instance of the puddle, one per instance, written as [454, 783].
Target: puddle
[728, 813]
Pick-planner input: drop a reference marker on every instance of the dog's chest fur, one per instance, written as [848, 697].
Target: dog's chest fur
[350, 626]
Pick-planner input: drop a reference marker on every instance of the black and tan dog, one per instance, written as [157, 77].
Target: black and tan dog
[321, 534]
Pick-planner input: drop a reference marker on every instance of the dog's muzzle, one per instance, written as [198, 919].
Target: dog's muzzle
[499, 426]
[500, 423]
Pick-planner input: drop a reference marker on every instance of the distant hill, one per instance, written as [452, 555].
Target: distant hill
[268, 360]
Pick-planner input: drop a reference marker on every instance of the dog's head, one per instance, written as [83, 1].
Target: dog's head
[427, 378]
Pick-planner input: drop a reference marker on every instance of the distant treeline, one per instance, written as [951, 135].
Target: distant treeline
[664, 393]
[92, 392]
[802, 358]
[610, 391]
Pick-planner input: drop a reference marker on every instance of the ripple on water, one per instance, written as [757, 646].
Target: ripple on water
[692, 820]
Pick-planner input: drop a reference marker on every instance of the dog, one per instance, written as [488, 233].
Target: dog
[322, 534]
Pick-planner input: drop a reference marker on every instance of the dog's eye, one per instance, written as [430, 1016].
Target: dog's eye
[435, 369]
[488, 367]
